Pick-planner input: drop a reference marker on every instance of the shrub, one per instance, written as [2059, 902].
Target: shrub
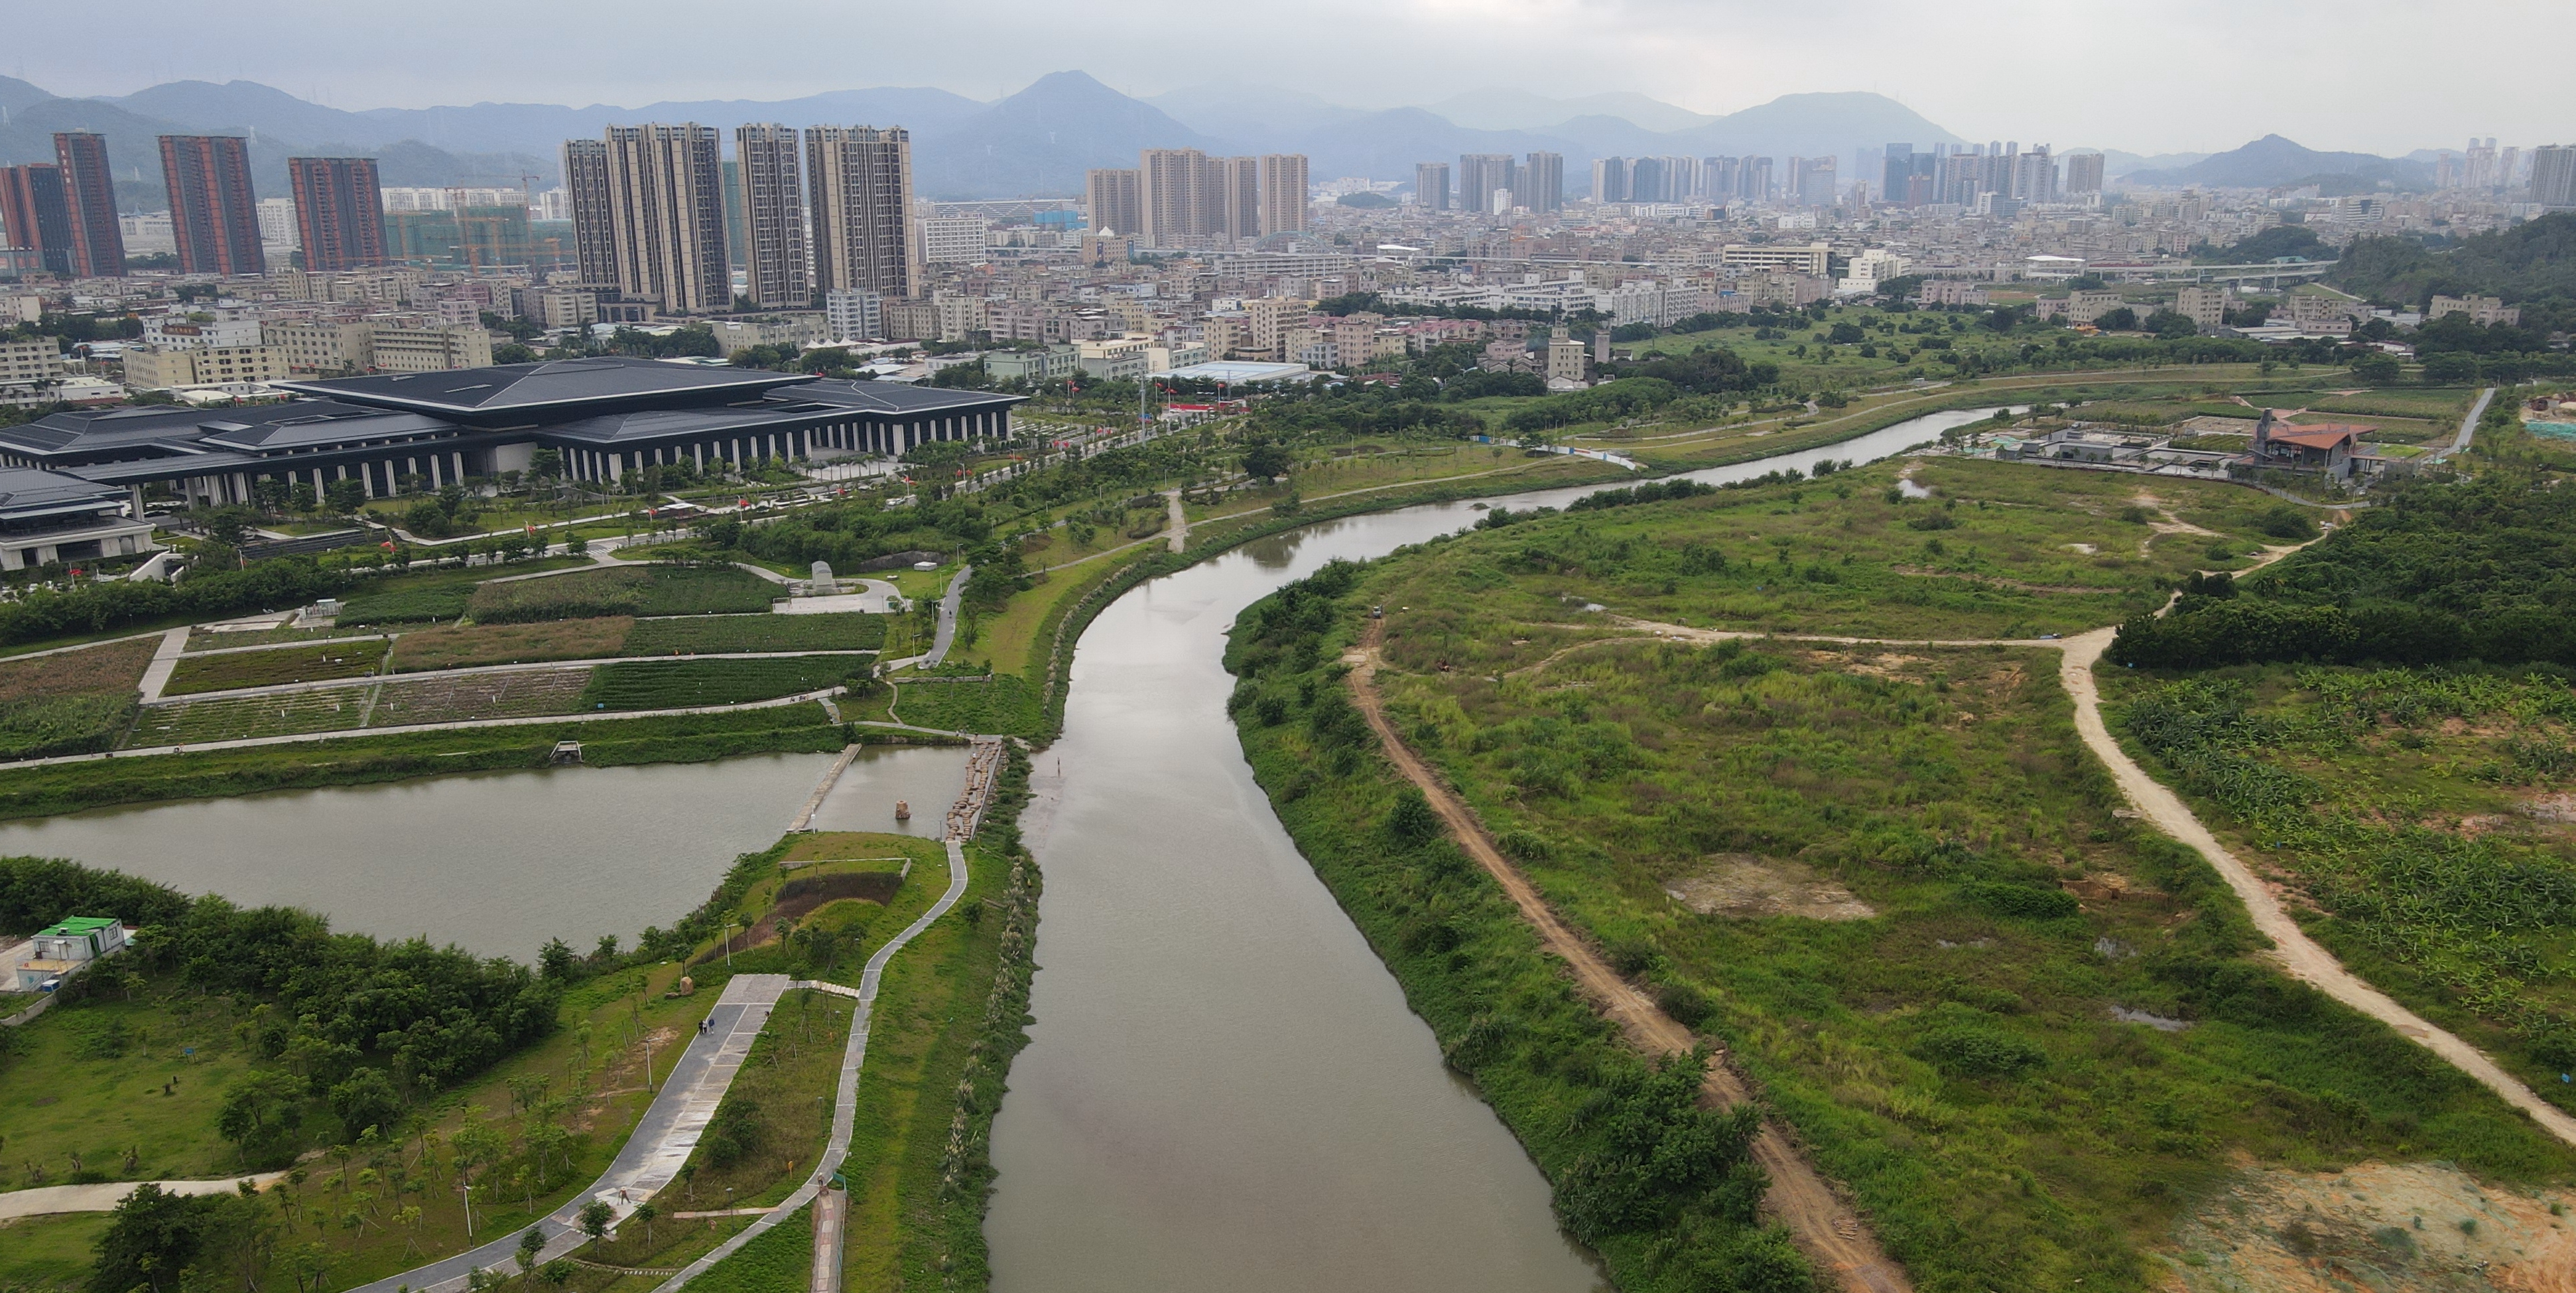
[2027, 902]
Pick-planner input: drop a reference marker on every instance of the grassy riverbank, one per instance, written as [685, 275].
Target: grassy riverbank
[2033, 1040]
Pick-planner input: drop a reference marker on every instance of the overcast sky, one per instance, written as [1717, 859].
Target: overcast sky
[2200, 75]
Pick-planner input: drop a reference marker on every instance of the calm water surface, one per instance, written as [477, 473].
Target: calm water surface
[1224, 1088]
[497, 862]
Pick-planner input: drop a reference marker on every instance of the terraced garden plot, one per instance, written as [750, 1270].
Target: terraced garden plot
[317, 663]
[200, 639]
[323, 709]
[409, 606]
[457, 646]
[110, 668]
[654, 590]
[461, 698]
[2437, 402]
[1003, 705]
[709, 634]
[676, 684]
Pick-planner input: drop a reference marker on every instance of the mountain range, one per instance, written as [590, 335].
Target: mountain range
[1040, 140]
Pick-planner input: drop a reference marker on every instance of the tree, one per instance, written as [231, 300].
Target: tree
[2450, 366]
[154, 1240]
[531, 1245]
[648, 1214]
[260, 1112]
[595, 1217]
[2377, 368]
[345, 496]
[1266, 461]
[366, 1099]
[2171, 326]
[2118, 319]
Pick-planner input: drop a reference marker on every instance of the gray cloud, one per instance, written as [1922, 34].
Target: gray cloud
[2375, 75]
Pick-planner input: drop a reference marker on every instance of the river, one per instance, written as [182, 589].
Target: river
[499, 862]
[1224, 1087]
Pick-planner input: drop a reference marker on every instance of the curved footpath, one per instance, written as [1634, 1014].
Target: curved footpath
[670, 1128]
[2304, 958]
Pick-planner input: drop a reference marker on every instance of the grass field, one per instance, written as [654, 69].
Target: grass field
[1004, 706]
[2029, 1036]
[680, 684]
[267, 668]
[112, 668]
[49, 1254]
[627, 590]
[763, 632]
[460, 646]
[203, 639]
[2418, 817]
[520, 693]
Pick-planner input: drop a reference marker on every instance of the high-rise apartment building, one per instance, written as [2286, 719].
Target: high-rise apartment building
[666, 217]
[2084, 172]
[1609, 179]
[339, 211]
[1113, 201]
[34, 216]
[1172, 185]
[2553, 176]
[1647, 180]
[1234, 204]
[1721, 178]
[2034, 176]
[1754, 179]
[773, 216]
[586, 196]
[1542, 183]
[1480, 175]
[214, 215]
[1283, 192]
[89, 195]
[860, 181]
[1431, 185]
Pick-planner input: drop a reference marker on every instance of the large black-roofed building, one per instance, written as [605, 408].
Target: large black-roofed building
[606, 416]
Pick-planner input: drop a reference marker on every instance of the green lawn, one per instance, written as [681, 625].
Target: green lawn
[721, 633]
[681, 684]
[320, 662]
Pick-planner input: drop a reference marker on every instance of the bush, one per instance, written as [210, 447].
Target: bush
[97, 608]
[733, 1134]
[2019, 900]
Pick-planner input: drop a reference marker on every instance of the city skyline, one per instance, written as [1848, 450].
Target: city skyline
[1711, 58]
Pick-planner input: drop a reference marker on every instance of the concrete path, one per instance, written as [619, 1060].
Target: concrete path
[157, 675]
[103, 1197]
[845, 1103]
[946, 633]
[653, 1154]
[831, 1210]
[814, 802]
[1180, 520]
[2468, 425]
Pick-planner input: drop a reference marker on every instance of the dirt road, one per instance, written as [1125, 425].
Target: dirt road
[1831, 1234]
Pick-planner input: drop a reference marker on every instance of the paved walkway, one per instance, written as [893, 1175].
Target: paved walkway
[947, 630]
[653, 1154]
[2468, 426]
[103, 1197]
[157, 675]
[1180, 520]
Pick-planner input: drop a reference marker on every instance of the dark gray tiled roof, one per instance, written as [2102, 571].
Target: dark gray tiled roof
[27, 493]
[534, 389]
[899, 399]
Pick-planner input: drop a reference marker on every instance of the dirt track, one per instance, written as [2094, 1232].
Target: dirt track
[1827, 1229]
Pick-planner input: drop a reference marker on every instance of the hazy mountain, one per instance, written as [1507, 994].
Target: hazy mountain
[542, 128]
[1498, 109]
[2116, 164]
[2272, 161]
[1041, 140]
[1257, 117]
[1385, 145]
[16, 94]
[247, 107]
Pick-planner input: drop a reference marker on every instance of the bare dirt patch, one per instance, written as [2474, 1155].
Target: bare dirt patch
[2377, 1226]
[1745, 886]
[2558, 808]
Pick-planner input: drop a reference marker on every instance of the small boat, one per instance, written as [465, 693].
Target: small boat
[902, 811]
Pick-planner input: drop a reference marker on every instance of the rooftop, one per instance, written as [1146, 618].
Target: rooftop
[29, 494]
[553, 387]
[72, 925]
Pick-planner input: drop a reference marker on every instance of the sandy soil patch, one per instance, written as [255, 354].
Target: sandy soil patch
[1745, 886]
[2373, 1226]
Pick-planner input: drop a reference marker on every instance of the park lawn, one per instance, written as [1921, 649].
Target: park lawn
[105, 1063]
[2416, 819]
[1948, 1048]
[397, 756]
[50, 1254]
[2000, 557]
[459, 646]
[320, 662]
[2436, 403]
[765, 632]
[684, 684]
[1004, 705]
